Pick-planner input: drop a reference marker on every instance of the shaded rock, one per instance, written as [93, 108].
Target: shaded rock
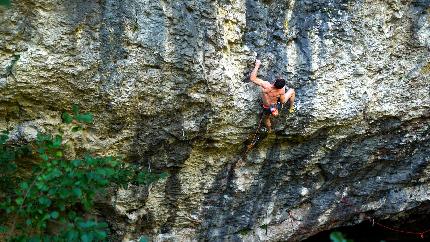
[166, 81]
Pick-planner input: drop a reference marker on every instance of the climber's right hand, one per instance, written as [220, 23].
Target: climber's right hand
[257, 62]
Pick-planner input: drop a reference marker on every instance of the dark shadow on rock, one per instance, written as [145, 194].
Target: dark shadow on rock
[378, 166]
[278, 183]
[230, 211]
[164, 140]
[98, 42]
[413, 220]
[111, 37]
[109, 18]
[308, 22]
[169, 37]
[265, 34]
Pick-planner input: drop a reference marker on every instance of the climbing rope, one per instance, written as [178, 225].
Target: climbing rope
[372, 220]
[255, 137]
[421, 234]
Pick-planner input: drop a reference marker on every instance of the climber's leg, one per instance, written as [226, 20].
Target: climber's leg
[268, 123]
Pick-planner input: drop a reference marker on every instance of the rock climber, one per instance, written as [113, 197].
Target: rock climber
[272, 94]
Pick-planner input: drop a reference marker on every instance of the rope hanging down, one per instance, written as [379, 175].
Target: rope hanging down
[419, 234]
[255, 138]
[368, 218]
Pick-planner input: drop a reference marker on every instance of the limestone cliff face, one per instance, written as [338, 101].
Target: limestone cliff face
[167, 82]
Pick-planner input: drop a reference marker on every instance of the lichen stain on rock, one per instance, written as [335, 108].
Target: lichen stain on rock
[426, 69]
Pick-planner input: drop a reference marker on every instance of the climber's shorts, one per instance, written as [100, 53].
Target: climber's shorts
[266, 110]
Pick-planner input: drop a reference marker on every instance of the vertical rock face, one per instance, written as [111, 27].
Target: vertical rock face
[167, 82]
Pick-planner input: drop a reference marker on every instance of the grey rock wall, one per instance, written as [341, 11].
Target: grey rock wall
[167, 82]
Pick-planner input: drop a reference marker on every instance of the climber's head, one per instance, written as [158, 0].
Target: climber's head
[279, 83]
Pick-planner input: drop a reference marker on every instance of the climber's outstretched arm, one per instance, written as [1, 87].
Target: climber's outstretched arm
[254, 77]
[289, 95]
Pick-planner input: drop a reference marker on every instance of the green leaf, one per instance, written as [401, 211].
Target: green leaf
[36, 238]
[76, 163]
[72, 235]
[44, 157]
[86, 237]
[77, 192]
[87, 224]
[163, 175]
[5, 2]
[56, 143]
[63, 193]
[41, 150]
[67, 118]
[59, 154]
[75, 109]
[52, 191]
[42, 137]
[102, 225]
[54, 214]
[337, 237]
[46, 216]
[85, 118]
[72, 215]
[87, 204]
[3, 138]
[23, 185]
[90, 160]
[54, 174]
[28, 222]
[61, 206]
[19, 200]
[101, 234]
[42, 186]
[3, 229]
[44, 201]
[144, 239]
[76, 128]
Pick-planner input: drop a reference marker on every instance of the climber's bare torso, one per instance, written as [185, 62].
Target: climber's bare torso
[270, 94]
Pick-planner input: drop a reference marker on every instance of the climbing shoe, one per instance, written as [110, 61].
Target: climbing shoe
[291, 110]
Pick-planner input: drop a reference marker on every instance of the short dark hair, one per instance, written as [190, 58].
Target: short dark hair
[279, 83]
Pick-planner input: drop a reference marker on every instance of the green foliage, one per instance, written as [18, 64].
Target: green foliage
[144, 239]
[77, 118]
[8, 155]
[146, 177]
[338, 237]
[53, 203]
[5, 2]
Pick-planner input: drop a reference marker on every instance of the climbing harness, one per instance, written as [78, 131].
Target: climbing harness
[272, 108]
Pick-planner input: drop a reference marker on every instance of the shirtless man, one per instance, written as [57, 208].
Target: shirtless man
[270, 94]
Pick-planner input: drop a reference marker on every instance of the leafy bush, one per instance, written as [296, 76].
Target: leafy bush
[55, 202]
[8, 154]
